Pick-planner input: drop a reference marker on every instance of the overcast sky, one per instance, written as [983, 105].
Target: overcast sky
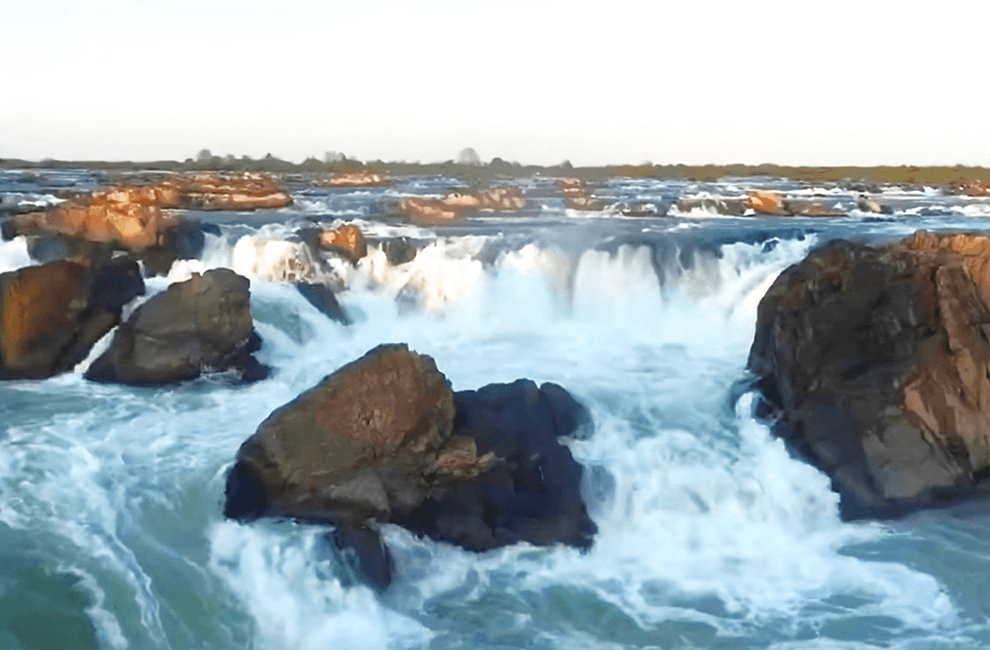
[797, 82]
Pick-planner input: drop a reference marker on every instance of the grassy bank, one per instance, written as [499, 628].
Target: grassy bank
[500, 169]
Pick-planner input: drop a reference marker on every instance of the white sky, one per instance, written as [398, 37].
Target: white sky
[798, 82]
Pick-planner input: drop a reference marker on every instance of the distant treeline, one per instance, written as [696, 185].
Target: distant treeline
[476, 173]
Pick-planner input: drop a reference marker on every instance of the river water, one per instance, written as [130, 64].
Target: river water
[711, 535]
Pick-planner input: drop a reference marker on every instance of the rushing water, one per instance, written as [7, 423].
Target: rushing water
[711, 535]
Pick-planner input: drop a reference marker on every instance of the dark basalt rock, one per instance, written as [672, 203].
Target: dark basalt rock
[183, 241]
[52, 314]
[362, 550]
[384, 440]
[875, 361]
[399, 250]
[201, 325]
[323, 298]
[532, 493]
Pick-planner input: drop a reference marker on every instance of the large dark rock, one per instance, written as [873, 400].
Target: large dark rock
[323, 298]
[201, 325]
[876, 362]
[51, 315]
[532, 491]
[383, 439]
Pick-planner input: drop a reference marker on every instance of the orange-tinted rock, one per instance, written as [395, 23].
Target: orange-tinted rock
[498, 199]
[347, 238]
[810, 209]
[763, 202]
[357, 179]
[576, 197]
[51, 315]
[428, 211]
[246, 191]
[878, 363]
[974, 188]
[974, 248]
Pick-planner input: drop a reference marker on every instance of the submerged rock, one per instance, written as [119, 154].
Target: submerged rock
[323, 298]
[384, 440]
[51, 315]
[198, 326]
[877, 361]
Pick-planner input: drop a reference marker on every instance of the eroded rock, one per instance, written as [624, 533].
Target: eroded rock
[51, 315]
[383, 439]
[876, 359]
[202, 325]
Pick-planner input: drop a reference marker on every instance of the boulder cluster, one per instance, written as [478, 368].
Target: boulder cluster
[385, 440]
[456, 205]
[876, 364]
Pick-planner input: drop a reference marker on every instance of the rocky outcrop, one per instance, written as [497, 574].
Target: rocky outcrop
[972, 188]
[346, 239]
[876, 361]
[357, 179]
[213, 191]
[383, 439]
[733, 206]
[766, 202]
[431, 212]
[455, 205]
[51, 315]
[137, 218]
[868, 204]
[323, 298]
[202, 325]
[576, 196]
[128, 216]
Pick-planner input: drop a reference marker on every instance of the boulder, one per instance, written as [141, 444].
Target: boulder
[346, 239]
[323, 298]
[428, 211]
[354, 446]
[214, 191]
[383, 439]
[803, 208]
[867, 204]
[877, 363]
[399, 250]
[765, 202]
[357, 179]
[576, 197]
[973, 188]
[51, 315]
[198, 326]
[720, 205]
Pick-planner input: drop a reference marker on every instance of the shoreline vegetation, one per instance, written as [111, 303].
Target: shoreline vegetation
[497, 169]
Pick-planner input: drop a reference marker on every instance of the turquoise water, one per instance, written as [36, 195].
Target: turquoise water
[111, 533]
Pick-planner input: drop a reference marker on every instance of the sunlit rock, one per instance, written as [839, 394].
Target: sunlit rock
[878, 362]
[384, 439]
[347, 239]
[357, 179]
[51, 315]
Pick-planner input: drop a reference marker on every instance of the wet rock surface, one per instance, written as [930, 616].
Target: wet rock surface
[202, 325]
[385, 440]
[51, 315]
[877, 363]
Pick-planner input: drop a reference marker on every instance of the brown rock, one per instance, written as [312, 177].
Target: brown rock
[390, 413]
[974, 188]
[357, 179]
[51, 315]
[764, 202]
[347, 239]
[810, 209]
[428, 211]
[878, 361]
